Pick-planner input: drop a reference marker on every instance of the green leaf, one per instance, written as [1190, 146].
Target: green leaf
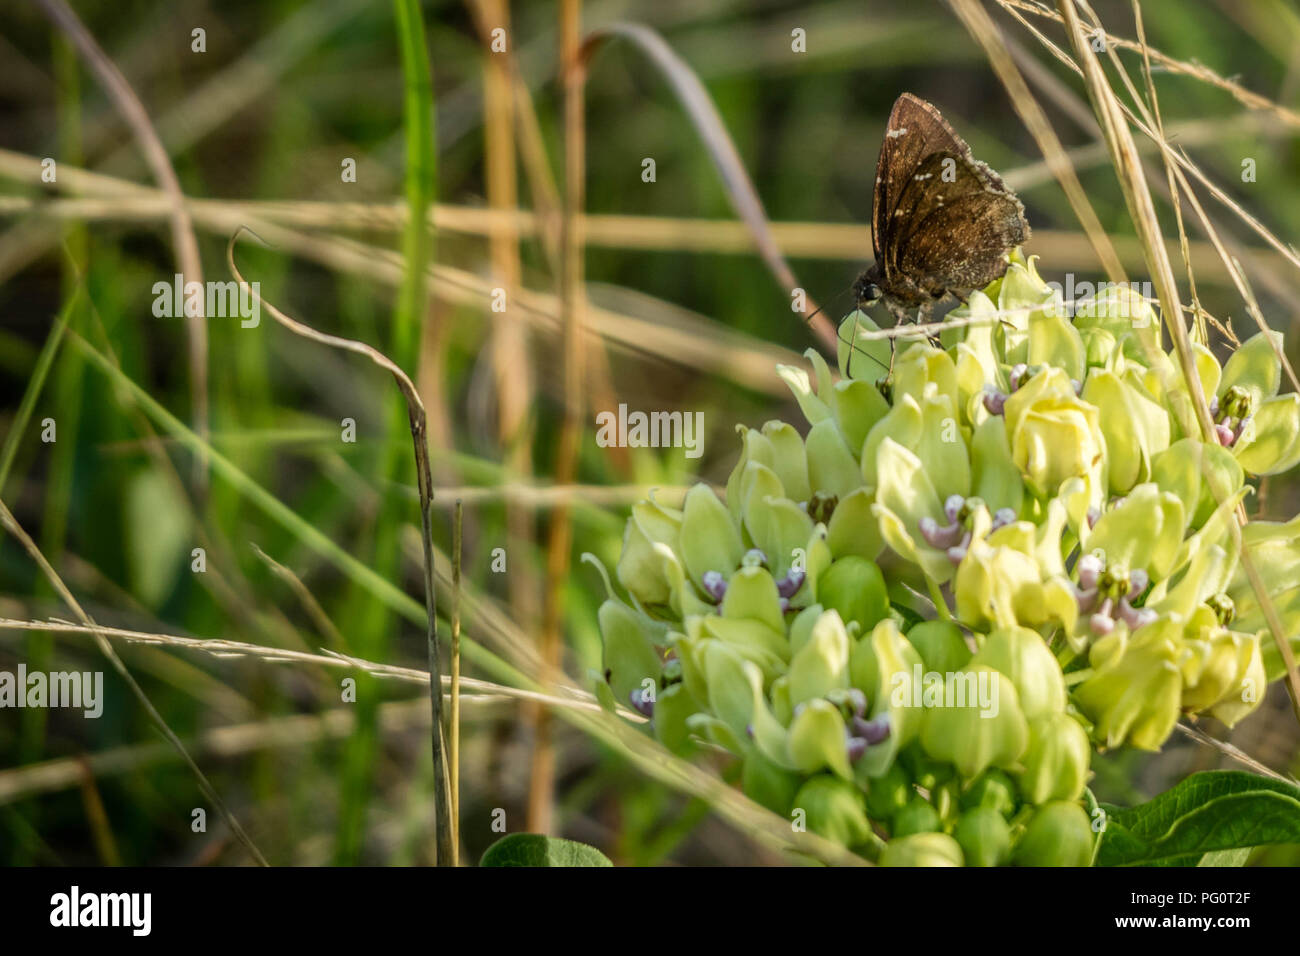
[1237, 857]
[534, 849]
[1210, 812]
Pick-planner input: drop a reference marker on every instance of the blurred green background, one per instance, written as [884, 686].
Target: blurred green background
[682, 314]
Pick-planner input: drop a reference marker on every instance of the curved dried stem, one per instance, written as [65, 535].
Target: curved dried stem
[424, 478]
[183, 238]
[713, 132]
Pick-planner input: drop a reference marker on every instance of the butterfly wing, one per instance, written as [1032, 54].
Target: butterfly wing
[960, 222]
[915, 130]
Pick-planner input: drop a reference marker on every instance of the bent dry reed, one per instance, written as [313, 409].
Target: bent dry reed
[1017, 511]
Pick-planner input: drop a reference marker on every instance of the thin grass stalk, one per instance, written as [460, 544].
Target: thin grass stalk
[183, 238]
[1175, 198]
[717, 142]
[641, 751]
[369, 627]
[456, 545]
[511, 367]
[1142, 211]
[11, 524]
[1246, 97]
[424, 476]
[981, 27]
[541, 783]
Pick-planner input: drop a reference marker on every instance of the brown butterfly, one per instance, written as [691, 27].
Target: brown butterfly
[942, 222]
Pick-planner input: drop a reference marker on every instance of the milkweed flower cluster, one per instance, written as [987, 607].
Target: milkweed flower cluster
[983, 558]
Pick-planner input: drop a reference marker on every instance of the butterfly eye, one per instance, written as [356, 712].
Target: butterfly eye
[868, 295]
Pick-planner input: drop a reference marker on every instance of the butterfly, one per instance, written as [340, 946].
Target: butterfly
[941, 221]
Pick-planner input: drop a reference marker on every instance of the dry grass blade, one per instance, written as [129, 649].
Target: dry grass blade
[222, 648]
[11, 525]
[713, 132]
[457, 527]
[1244, 96]
[424, 476]
[308, 600]
[1136, 193]
[541, 779]
[1178, 185]
[1228, 750]
[982, 28]
[187, 246]
[61, 773]
[1283, 250]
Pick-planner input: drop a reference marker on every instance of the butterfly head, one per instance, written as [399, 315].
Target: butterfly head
[866, 290]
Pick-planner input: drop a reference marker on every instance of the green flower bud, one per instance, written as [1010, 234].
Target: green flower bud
[925, 772]
[973, 350]
[862, 358]
[858, 406]
[855, 588]
[731, 697]
[1254, 368]
[889, 793]
[1000, 585]
[993, 789]
[878, 662]
[1053, 340]
[1053, 434]
[1189, 469]
[853, 528]
[801, 627]
[922, 849]
[995, 477]
[640, 567]
[753, 472]
[710, 539]
[1224, 668]
[1136, 429]
[630, 653]
[769, 785]
[902, 425]
[1058, 834]
[752, 596]
[904, 497]
[822, 664]
[1270, 441]
[1144, 531]
[817, 739]
[672, 707]
[813, 408]
[1101, 347]
[1056, 763]
[1022, 655]
[982, 724]
[778, 527]
[832, 468]
[916, 817]
[752, 640]
[835, 810]
[1134, 695]
[984, 836]
[921, 365]
[941, 446]
[940, 644]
